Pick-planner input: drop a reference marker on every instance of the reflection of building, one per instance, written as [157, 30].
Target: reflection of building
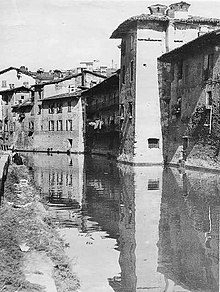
[188, 246]
[189, 96]
[60, 178]
[144, 38]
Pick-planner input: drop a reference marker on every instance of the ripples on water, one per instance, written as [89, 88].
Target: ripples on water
[134, 229]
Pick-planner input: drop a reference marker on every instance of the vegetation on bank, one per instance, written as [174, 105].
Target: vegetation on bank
[26, 227]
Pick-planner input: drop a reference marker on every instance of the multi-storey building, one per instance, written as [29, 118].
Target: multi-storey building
[144, 38]
[189, 93]
[51, 118]
[102, 117]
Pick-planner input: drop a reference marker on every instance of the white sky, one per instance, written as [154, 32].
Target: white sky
[58, 34]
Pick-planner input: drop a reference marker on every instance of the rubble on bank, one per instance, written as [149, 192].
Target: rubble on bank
[31, 251]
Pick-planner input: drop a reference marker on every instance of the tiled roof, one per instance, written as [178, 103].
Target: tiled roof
[18, 70]
[72, 76]
[107, 83]
[212, 38]
[20, 88]
[132, 22]
[62, 96]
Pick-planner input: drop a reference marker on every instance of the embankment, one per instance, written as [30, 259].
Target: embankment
[31, 251]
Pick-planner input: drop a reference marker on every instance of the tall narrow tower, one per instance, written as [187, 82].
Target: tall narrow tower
[143, 39]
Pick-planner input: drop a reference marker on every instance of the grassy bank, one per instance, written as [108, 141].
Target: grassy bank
[25, 227]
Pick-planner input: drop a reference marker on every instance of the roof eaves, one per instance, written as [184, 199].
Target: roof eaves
[132, 23]
[203, 39]
[62, 96]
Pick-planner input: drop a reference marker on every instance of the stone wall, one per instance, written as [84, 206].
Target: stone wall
[190, 121]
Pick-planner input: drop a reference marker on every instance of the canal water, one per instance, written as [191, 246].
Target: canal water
[133, 229]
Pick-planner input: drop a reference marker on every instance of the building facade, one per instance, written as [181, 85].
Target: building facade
[189, 95]
[144, 38]
[102, 117]
[50, 115]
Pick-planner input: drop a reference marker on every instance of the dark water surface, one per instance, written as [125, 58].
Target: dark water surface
[134, 229]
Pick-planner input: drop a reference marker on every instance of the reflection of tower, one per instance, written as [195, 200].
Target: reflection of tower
[138, 228]
[186, 247]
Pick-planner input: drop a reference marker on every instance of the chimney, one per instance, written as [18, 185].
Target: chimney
[178, 10]
[157, 9]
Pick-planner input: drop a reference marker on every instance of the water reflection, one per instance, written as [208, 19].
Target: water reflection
[134, 229]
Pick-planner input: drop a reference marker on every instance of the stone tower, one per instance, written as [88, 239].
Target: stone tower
[143, 39]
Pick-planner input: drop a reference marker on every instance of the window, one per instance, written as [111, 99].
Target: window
[123, 47]
[207, 66]
[122, 112]
[123, 74]
[51, 125]
[22, 96]
[132, 71]
[180, 70]
[69, 125]
[59, 108]
[31, 126]
[130, 110]
[209, 99]
[51, 108]
[40, 94]
[39, 109]
[11, 85]
[4, 83]
[185, 142]
[59, 125]
[186, 73]
[153, 184]
[69, 106]
[153, 143]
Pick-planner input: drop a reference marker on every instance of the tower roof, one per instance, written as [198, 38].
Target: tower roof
[159, 17]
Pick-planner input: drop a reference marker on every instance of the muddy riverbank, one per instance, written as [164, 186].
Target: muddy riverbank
[31, 251]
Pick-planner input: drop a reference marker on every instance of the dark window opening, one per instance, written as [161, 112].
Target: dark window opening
[59, 125]
[185, 143]
[51, 108]
[130, 110]
[153, 184]
[153, 143]
[186, 73]
[59, 108]
[40, 94]
[51, 125]
[39, 109]
[31, 126]
[122, 112]
[69, 125]
[69, 106]
[180, 70]
[123, 74]
[208, 65]
[123, 47]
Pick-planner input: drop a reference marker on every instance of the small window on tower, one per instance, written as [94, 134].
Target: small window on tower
[153, 143]
[209, 99]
